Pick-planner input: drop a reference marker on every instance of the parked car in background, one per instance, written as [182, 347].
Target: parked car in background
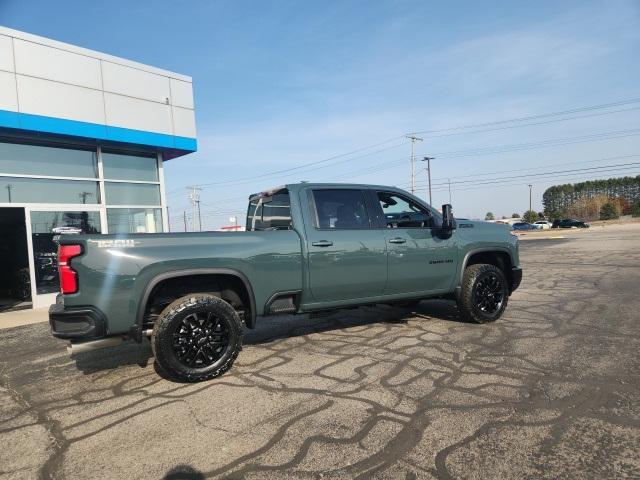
[569, 223]
[523, 226]
[543, 224]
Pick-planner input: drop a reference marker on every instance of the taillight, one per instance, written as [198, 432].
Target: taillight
[68, 276]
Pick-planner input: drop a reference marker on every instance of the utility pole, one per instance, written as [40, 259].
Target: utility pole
[184, 216]
[199, 218]
[530, 200]
[84, 196]
[449, 181]
[413, 139]
[9, 186]
[428, 160]
[194, 196]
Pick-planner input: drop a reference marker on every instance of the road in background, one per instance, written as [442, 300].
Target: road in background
[551, 390]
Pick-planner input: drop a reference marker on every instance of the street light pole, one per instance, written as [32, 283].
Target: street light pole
[530, 199]
[428, 160]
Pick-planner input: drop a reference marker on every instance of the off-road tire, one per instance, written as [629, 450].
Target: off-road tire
[467, 304]
[162, 341]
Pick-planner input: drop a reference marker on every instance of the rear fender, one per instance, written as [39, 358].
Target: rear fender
[136, 330]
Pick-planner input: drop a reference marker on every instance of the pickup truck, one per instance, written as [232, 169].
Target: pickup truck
[307, 248]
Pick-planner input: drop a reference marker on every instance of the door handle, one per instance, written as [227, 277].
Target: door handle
[397, 240]
[322, 243]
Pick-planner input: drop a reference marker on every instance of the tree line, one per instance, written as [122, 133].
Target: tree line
[586, 199]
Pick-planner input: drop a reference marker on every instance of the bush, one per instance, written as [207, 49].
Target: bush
[609, 211]
[635, 208]
[489, 216]
[530, 216]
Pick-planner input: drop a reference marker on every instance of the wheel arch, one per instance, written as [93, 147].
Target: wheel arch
[498, 256]
[157, 280]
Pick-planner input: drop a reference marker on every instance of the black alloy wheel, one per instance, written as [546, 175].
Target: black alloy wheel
[484, 294]
[488, 293]
[197, 337]
[200, 339]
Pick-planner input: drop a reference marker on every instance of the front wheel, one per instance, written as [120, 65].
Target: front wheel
[197, 337]
[484, 293]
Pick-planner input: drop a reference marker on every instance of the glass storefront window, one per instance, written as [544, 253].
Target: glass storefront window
[117, 166]
[134, 220]
[40, 190]
[44, 227]
[25, 159]
[131, 194]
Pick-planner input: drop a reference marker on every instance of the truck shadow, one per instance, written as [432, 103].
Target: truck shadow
[269, 329]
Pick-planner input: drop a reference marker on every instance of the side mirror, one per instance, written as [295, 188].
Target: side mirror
[448, 223]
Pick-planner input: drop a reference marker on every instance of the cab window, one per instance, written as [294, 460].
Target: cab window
[340, 209]
[269, 212]
[401, 212]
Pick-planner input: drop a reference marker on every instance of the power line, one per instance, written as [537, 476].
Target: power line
[537, 174]
[480, 174]
[507, 127]
[534, 117]
[547, 177]
[450, 129]
[503, 149]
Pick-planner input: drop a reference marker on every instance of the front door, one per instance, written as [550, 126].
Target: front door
[347, 257]
[420, 259]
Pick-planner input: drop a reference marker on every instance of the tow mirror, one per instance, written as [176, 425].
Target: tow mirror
[448, 223]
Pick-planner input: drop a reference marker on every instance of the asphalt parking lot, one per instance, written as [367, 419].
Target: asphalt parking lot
[552, 390]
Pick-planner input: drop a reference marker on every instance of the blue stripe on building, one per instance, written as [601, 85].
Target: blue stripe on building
[61, 126]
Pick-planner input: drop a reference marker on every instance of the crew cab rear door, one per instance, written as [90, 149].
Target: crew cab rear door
[420, 260]
[346, 252]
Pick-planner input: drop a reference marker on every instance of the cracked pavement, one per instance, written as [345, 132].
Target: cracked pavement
[551, 390]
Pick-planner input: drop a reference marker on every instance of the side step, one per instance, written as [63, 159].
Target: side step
[283, 303]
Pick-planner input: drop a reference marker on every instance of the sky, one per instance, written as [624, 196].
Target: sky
[289, 91]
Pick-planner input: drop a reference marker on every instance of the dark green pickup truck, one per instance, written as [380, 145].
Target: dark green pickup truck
[307, 248]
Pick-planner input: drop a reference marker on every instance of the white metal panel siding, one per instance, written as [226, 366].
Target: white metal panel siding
[54, 64]
[6, 54]
[137, 114]
[184, 122]
[63, 81]
[181, 93]
[135, 83]
[8, 95]
[53, 99]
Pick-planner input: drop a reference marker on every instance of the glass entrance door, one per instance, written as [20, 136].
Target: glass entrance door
[15, 282]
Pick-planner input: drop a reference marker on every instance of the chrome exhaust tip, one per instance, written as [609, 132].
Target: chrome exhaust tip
[83, 347]
[89, 346]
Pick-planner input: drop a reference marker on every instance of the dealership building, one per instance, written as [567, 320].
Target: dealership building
[83, 139]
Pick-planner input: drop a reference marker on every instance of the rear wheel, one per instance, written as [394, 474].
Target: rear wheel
[484, 293]
[197, 337]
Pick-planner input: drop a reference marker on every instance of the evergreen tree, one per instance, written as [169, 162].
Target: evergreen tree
[608, 211]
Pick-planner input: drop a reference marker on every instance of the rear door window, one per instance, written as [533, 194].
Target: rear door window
[340, 209]
[269, 212]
